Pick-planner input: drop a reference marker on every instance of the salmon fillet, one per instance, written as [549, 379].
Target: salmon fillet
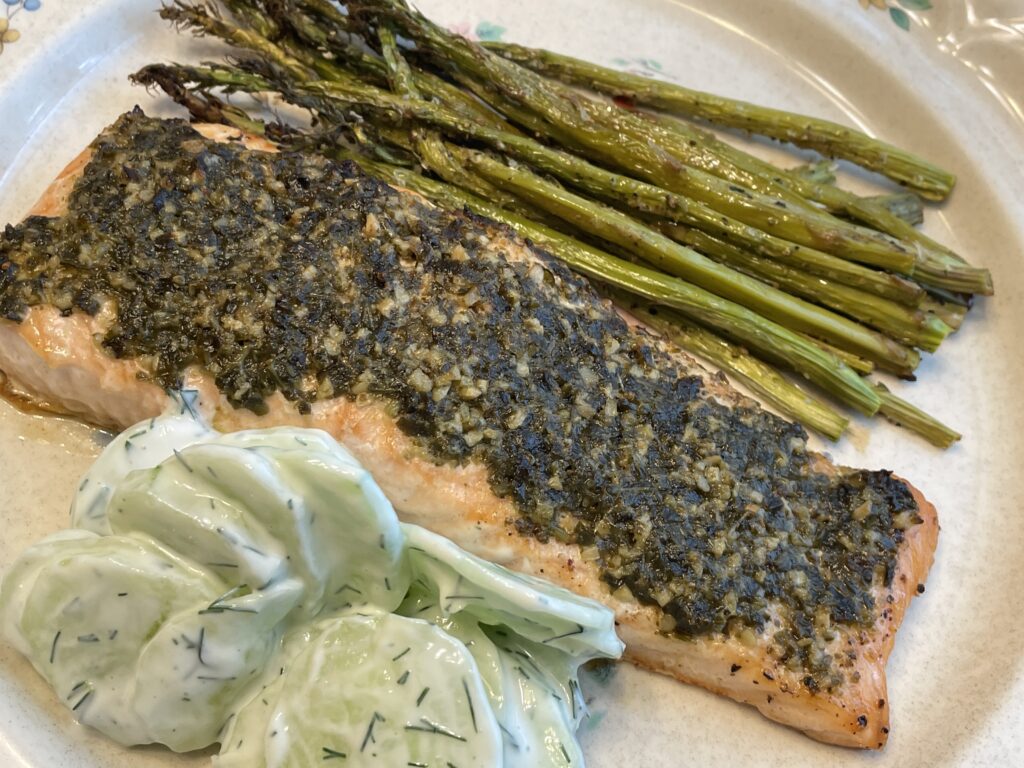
[733, 558]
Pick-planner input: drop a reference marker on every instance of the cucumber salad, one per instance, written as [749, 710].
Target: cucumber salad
[256, 589]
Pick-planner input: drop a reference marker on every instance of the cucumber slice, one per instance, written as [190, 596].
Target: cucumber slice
[192, 672]
[376, 689]
[532, 688]
[142, 447]
[534, 609]
[183, 511]
[88, 612]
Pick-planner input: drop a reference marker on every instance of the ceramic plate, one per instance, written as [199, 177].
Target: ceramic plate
[946, 82]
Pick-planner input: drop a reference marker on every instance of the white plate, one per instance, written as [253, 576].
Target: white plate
[952, 88]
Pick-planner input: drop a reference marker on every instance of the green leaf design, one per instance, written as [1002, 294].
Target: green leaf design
[900, 17]
[916, 5]
[487, 30]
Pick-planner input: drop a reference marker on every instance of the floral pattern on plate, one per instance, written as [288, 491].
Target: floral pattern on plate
[487, 31]
[898, 10]
[9, 34]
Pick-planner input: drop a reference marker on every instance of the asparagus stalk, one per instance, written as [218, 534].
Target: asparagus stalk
[619, 228]
[912, 327]
[951, 314]
[937, 266]
[328, 32]
[186, 16]
[859, 364]
[428, 144]
[903, 414]
[826, 137]
[759, 377]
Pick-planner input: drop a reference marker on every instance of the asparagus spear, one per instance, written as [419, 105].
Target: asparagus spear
[912, 327]
[616, 227]
[937, 266]
[762, 379]
[429, 146]
[903, 414]
[859, 364]
[826, 137]
[329, 34]
[186, 16]
[951, 314]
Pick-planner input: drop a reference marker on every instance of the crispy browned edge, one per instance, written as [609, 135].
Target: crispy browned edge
[858, 717]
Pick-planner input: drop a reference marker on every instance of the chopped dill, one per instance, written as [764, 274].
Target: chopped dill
[81, 701]
[469, 701]
[76, 689]
[179, 457]
[578, 631]
[511, 738]
[369, 737]
[432, 727]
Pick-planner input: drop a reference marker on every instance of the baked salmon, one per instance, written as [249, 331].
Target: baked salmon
[494, 396]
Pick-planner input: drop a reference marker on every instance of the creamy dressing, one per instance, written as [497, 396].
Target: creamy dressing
[257, 589]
